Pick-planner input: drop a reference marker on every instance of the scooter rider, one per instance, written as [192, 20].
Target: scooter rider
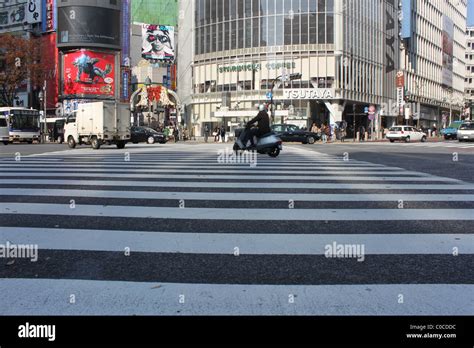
[263, 127]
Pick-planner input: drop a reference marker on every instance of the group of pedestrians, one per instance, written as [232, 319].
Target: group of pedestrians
[219, 134]
[328, 132]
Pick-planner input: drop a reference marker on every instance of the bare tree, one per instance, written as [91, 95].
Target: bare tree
[19, 62]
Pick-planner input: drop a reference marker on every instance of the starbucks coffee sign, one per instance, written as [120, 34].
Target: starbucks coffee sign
[310, 93]
[257, 66]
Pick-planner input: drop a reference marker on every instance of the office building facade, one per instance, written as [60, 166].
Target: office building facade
[433, 49]
[349, 54]
[346, 52]
[469, 79]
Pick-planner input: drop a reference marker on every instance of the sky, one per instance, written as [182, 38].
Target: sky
[470, 16]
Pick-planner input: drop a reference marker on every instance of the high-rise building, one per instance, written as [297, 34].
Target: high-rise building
[433, 58]
[469, 79]
[235, 51]
[350, 55]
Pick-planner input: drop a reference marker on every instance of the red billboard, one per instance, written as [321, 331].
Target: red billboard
[89, 73]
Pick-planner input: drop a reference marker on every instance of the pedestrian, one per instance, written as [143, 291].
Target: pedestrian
[216, 134]
[314, 128]
[206, 133]
[324, 136]
[362, 133]
[176, 134]
[223, 133]
[343, 134]
[166, 132]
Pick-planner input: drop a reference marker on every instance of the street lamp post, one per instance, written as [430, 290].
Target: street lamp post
[42, 96]
[148, 83]
[354, 107]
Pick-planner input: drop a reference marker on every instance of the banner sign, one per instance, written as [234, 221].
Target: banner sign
[33, 11]
[448, 51]
[400, 97]
[126, 17]
[309, 94]
[89, 73]
[158, 42]
[49, 20]
[125, 95]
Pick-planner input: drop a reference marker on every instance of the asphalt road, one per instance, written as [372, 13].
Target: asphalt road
[172, 229]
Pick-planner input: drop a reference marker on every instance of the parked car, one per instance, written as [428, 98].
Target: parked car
[147, 135]
[451, 132]
[292, 133]
[466, 131]
[406, 133]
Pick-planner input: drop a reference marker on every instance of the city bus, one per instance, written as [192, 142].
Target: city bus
[4, 131]
[23, 124]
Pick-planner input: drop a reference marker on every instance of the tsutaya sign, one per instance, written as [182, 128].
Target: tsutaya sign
[311, 93]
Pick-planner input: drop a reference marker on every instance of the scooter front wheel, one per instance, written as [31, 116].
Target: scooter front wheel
[274, 153]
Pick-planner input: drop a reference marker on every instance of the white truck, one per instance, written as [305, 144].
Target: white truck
[99, 123]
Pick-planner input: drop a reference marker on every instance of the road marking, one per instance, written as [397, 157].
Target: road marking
[239, 214]
[51, 297]
[248, 244]
[321, 172]
[237, 196]
[236, 178]
[240, 185]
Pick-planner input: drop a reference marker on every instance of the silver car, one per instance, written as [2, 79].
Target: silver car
[466, 132]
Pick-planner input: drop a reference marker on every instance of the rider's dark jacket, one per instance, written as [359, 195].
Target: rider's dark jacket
[263, 121]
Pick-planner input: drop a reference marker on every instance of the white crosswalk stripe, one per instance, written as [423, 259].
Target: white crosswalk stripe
[345, 237]
[448, 145]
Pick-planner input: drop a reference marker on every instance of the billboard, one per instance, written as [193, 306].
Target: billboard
[406, 19]
[88, 73]
[12, 16]
[448, 51]
[158, 42]
[86, 26]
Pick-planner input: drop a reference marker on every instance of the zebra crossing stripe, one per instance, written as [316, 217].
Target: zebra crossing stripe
[236, 177]
[240, 185]
[248, 244]
[239, 214]
[237, 196]
[139, 298]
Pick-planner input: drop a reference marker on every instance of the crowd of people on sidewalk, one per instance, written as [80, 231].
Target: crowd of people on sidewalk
[219, 133]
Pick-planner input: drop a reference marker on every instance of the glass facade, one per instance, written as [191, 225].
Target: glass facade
[236, 24]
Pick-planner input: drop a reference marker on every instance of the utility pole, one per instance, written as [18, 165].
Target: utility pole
[354, 107]
[45, 109]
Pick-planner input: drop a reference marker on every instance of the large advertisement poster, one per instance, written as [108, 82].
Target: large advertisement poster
[448, 51]
[89, 73]
[158, 42]
[89, 26]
